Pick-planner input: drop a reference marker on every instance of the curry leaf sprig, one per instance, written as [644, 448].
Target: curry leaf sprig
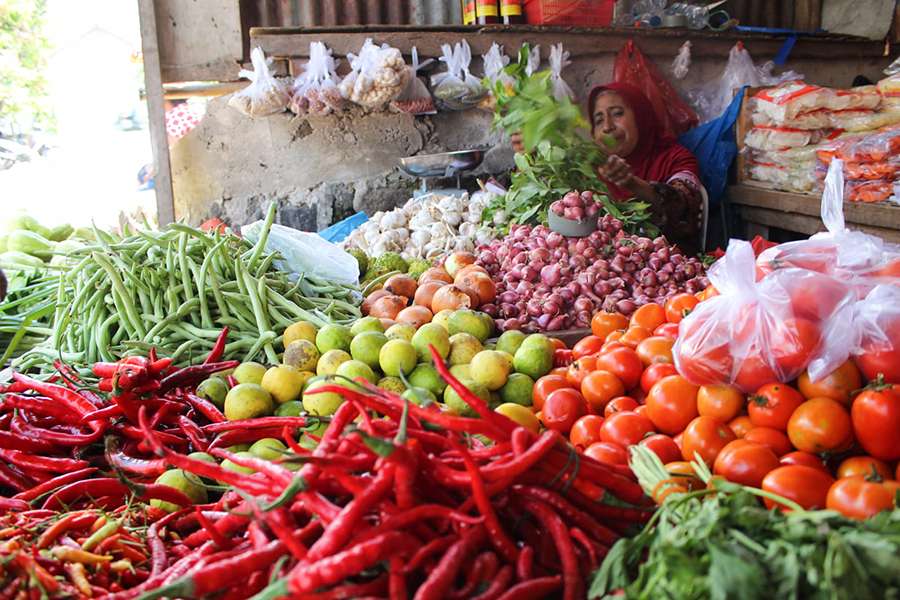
[558, 157]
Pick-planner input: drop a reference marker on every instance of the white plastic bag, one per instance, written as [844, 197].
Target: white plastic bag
[305, 252]
[457, 88]
[265, 95]
[415, 99]
[770, 137]
[682, 63]
[378, 75]
[758, 332]
[534, 60]
[711, 100]
[494, 64]
[559, 59]
[316, 90]
[876, 333]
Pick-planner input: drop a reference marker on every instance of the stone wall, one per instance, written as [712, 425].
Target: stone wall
[322, 169]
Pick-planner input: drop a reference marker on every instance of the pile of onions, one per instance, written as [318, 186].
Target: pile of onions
[547, 282]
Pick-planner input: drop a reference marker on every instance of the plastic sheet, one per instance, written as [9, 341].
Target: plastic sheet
[265, 95]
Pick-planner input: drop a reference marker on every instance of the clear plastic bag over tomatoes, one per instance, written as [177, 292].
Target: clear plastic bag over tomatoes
[758, 332]
[859, 259]
[876, 333]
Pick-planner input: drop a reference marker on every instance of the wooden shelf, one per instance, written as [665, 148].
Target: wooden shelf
[763, 208]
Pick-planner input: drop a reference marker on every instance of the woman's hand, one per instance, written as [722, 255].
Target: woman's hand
[517, 144]
[616, 170]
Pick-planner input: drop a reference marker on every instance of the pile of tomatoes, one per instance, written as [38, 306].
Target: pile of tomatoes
[833, 443]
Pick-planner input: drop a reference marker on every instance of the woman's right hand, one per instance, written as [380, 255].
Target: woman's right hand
[517, 144]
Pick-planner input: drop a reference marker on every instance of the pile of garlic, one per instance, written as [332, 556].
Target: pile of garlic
[425, 227]
[379, 75]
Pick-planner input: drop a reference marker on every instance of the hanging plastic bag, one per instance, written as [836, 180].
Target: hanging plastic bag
[712, 99]
[559, 59]
[534, 60]
[316, 90]
[758, 332]
[415, 99]
[457, 88]
[682, 63]
[304, 252]
[378, 76]
[632, 67]
[265, 95]
[494, 64]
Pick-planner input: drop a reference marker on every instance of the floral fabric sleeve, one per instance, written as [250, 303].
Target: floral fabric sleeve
[677, 208]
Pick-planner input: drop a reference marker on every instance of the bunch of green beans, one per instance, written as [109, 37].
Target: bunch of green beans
[175, 289]
[25, 313]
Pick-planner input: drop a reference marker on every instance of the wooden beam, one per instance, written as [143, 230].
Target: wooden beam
[805, 224]
[165, 198]
[291, 42]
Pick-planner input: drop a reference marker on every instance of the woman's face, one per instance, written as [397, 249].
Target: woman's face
[613, 117]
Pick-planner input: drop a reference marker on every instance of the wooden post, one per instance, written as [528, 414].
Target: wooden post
[165, 198]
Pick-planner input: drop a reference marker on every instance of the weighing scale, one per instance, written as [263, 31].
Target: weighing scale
[443, 165]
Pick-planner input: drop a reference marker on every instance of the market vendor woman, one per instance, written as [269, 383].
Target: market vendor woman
[644, 163]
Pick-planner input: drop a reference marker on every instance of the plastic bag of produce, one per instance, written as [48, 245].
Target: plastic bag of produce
[534, 60]
[876, 333]
[305, 252]
[756, 332]
[266, 95]
[863, 97]
[559, 59]
[889, 87]
[494, 64]
[770, 137]
[378, 75]
[786, 101]
[316, 90]
[817, 119]
[457, 88]
[864, 119]
[415, 99]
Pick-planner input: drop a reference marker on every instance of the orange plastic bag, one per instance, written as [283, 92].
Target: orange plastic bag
[634, 68]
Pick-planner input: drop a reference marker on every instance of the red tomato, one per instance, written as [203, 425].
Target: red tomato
[669, 330]
[856, 498]
[745, 462]
[837, 385]
[722, 402]
[545, 386]
[807, 486]
[754, 373]
[604, 323]
[864, 466]
[774, 439]
[649, 316]
[562, 408]
[654, 373]
[599, 387]
[876, 422]
[679, 306]
[579, 369]
[685, 474]
[560, 372]
[672, 404]
[585, 431]
[634, 335]
[816, 298]
[558, 344]
[607, 453]
[614, 336]
[793, 343]
[706, 437]
[624, 363]
[882, 357]
[663, 446]
[620, 404]
[655, 349]
[562, 357]
[702, 354]
[625, 429]
[798, 457]
[214, 224]
[772, 405]
[740, 425]
[820, 425]
[641, 410]
[587, 346]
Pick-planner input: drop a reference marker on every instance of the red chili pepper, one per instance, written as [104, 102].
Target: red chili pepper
[259, 423]
[205, 408]
[422, 512]
[581, 537]
[525, 564]
[565, 548]
[107, 412]
[276, 473]
[569, 512]
[41, 406]
[190, 376]
[242, 436]
[103, 486]
[533, 589]
[119, 460]
[193, 433]
[73, 400]
[498, 585]
[25, 444]
[27, 563]
[105, 385]
[440, 580]
[12, 505]
[484, 568]
[396, 580]
[45, 463]
[74, 520]
[376, 588]
[218, 349]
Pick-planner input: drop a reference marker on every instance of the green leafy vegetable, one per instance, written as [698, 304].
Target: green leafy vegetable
[558, 157]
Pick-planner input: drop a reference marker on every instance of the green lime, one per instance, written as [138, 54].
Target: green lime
[186, 483]
[518, 389]
[213, 389]
[248, 401]
[249, 372]
[289, 409]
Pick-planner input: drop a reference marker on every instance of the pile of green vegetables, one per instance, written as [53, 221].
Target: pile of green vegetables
[175, 289]
[721, 543]
[558, 157]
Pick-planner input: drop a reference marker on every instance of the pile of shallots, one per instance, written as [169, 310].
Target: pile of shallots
[547, 282]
